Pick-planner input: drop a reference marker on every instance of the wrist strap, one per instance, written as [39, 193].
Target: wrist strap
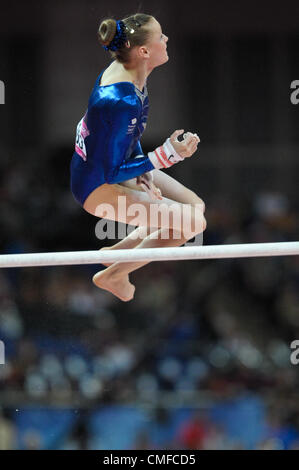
[165, 155]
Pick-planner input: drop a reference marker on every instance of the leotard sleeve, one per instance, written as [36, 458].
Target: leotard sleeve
[120, 150]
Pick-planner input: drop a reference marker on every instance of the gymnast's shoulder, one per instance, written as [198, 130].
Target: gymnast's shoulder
[120, 95]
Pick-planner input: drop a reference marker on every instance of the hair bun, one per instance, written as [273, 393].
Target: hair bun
[106, 31]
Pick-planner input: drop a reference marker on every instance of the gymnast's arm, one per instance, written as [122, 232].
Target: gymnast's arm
[117, 166]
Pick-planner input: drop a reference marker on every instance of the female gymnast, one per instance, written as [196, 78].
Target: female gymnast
[108, 161]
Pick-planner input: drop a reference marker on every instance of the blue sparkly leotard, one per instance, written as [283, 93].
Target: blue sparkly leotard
[107, 148]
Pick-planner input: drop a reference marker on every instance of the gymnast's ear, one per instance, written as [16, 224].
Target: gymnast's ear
[143, 51]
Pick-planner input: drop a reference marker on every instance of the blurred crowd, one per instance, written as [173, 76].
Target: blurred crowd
[221, 328]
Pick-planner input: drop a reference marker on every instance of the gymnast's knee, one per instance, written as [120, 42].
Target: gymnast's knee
[200, 204]
[199, 226]
[196, 201]
[196, 227]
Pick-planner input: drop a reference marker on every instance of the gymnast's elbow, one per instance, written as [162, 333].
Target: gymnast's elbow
[111, 178]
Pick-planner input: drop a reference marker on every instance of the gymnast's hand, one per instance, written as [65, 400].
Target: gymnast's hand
[173, 151]
[188, 146]
[146, 181]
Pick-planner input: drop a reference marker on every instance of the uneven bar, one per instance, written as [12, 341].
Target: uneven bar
[150, 254]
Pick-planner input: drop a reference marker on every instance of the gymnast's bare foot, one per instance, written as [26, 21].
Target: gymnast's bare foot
[119, 286]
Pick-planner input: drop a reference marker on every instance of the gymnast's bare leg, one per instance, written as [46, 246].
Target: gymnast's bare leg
[112, 278]
[130, 241]
[115, 278]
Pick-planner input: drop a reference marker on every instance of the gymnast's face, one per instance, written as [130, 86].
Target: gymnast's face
[157, 45]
